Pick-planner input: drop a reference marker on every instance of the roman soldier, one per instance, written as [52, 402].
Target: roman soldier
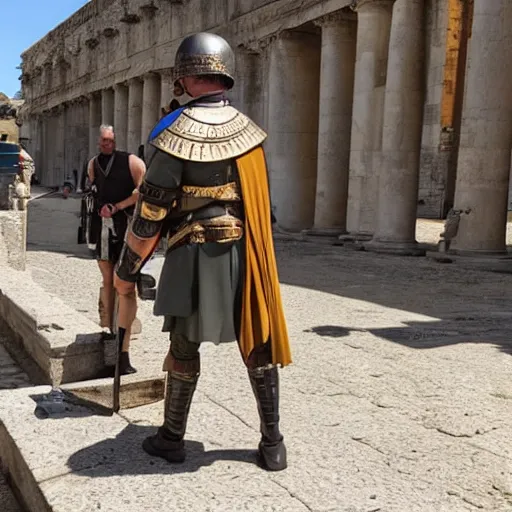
[206, 189]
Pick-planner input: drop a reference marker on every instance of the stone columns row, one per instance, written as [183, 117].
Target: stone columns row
[387, 125]
[344, 153]
[132, 108]
[483, 169]
[68, 135]
[51, 141]
[61, 142]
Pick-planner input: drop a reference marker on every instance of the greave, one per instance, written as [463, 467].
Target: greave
[179, 393]
[265, 385]
[168, 442]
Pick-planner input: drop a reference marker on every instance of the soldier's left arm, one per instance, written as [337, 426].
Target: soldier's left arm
[157, 193]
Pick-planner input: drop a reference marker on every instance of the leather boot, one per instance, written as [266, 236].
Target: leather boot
[265, 385]
[168, 442]
[125, 366]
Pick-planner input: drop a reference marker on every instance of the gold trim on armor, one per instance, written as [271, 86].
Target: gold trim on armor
[223, 229]
[152, 212]
[207, 134]
[227, 192]
[199, 64]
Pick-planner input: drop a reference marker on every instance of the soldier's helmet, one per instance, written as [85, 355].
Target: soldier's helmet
[204, 54]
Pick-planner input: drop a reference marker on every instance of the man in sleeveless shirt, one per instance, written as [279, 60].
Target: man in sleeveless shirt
[115, 176]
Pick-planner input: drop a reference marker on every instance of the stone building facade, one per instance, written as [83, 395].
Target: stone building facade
[376, 110]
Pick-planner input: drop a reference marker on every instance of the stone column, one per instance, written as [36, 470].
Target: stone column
[401, 141]
[166, 89]
[70, 139]
[94, 122]
[60, 146]
[46, 156]
[150, 104]
[374, 26]
[121, 116]
[336, 97]
[293, 127]
[134, 114]
[38, 157]
[51, 147]
[107, 106]
[486, 133]
[249, 85]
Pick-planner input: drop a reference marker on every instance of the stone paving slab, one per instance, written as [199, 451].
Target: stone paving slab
[399, 398]
[369, 424]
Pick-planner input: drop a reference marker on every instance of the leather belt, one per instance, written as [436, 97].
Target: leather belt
[223, 229]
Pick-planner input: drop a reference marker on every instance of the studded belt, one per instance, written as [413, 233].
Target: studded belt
[223, 229]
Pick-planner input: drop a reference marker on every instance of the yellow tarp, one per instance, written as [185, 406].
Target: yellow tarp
[262, 308]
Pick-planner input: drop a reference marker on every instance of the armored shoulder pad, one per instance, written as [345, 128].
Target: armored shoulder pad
[206, 134]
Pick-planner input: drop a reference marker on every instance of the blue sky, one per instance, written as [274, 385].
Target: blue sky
[22, 24]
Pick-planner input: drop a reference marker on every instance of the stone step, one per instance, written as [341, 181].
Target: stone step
[64, 345]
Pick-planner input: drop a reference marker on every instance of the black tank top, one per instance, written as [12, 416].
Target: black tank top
[114, 182]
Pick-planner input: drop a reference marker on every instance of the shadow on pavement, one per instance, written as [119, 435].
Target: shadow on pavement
[425, 335]
[470, 305]
[123, 455]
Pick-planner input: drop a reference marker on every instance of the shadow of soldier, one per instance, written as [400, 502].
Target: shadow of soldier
[123, 456]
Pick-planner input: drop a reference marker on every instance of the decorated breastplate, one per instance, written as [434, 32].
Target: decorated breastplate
[206, 134]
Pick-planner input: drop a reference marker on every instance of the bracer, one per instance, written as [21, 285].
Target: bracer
[153, 205]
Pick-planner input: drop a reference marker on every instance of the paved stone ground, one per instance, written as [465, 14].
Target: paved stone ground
[400, 397]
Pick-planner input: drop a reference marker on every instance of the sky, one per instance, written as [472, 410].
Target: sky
[22, 24]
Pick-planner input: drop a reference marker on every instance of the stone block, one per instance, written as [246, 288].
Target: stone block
[13, 228]
[65, 345]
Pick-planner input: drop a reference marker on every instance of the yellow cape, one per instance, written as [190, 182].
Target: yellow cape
[262, 309]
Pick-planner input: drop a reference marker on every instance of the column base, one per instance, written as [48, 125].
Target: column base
[324, 232]
[355, 237]
[495, 261]
[282, 234]
[398, 248]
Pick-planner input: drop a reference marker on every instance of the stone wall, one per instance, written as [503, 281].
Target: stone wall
[112, 61]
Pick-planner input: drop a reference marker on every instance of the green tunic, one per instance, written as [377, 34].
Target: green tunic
[200, 284]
